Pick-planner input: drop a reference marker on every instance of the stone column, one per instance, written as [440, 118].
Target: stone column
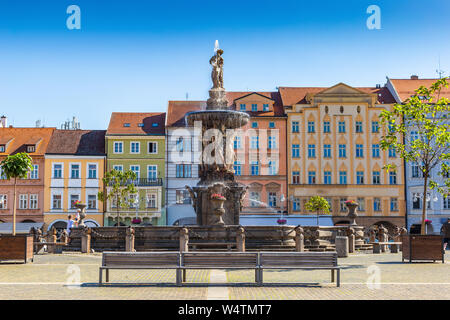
[129, 240]
[341, 246]
[184, 240]
[240, 239]
[351, 240]
[299, 239]
[382, 237]
[372, 235]
[51, 238]
[86, 241]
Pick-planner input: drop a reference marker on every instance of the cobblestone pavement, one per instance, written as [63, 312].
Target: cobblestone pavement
[55, 277]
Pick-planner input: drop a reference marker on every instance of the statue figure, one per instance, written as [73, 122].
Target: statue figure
[217, 72]
[193, 196]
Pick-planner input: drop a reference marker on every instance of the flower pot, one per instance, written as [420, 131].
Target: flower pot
[422, 247]
[18, 247]
[219, 211]
[352, 214]
[82, 208]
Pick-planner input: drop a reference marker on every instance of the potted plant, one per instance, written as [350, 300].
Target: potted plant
[81, 211]
[281, 221]
[318, 204]
[219, 200]
[136, 221]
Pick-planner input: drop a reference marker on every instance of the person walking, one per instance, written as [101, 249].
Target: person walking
[70, 224]
[445, 232]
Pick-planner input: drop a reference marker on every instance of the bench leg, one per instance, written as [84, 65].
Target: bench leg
[100, 275]
[184, 275]
[179, 276]
[256, 275]
[332, 275]
[338, 284]
[260, 277]
[376, 248]
[107, 275]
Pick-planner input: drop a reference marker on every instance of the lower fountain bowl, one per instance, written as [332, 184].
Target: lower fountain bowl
[231, 119]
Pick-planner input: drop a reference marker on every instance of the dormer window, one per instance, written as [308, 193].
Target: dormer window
[2, 148]
[155, 125]
[126, 125]
[265, 107]
[254, 107]
[31, 149]
[242, 106]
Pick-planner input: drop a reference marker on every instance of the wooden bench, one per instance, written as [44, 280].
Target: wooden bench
[228, 245]
[299, 260]
[219, 260]
[140, 260]
[379, 247]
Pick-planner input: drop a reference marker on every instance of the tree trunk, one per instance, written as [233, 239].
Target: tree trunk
[317, 218]
[14, 207]
[424, 206]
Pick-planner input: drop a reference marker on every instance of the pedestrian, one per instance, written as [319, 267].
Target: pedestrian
[445, 232]
[70, 223]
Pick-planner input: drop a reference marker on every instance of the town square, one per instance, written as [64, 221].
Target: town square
[331, 189]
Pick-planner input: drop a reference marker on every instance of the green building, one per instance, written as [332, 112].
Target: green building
[136, 142]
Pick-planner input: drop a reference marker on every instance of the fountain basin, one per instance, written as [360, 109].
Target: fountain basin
[228, 119]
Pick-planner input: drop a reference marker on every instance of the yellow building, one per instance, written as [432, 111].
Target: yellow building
[334, 151]
[74, 169]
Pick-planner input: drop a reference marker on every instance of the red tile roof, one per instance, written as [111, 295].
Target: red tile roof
[129, 123]
[77, 142]
[177, 110]
[26, 136]
[405, 88]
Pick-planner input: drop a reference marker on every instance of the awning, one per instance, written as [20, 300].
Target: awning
[21, 228]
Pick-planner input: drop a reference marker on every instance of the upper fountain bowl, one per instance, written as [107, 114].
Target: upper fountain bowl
[228, 119]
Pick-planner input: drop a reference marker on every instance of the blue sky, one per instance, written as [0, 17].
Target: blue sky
[136, 55]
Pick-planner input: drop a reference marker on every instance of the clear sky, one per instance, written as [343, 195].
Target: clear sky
[135, 55]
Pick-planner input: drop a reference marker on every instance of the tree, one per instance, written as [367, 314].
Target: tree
[419, 131]
[318, 204]
[16, 166]
[119, 188]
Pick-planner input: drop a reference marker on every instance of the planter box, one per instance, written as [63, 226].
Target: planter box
[19, 247]
[422, 247]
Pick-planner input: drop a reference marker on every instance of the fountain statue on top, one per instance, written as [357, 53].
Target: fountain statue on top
[217, 198]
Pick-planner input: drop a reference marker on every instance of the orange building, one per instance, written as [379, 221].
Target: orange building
[30, 191]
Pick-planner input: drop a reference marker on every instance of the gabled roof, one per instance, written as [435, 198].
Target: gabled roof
[21, 137]
[177, 110]
[129, 123]
[278, 110]
[405, 88]
[77, 142]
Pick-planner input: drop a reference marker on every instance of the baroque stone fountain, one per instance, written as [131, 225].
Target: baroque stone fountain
[217, 198]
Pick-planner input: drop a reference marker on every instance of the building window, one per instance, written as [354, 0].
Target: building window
[295, 127]
[33, 201]
[254, 125]
[342, 206]
[417, 202]
[392, 152]
[394, 204]
[57, 201]
[153, 147]
[237, 168]
[359, 151]
[135, 147]
[92, 202]
[92, 168]
[184, 171]
[311, 150]
[183, 197]
[311, 127]
[254, 142]
[341, 126]
[180, 145]
[31, 149]
[376, 177]
[312, 177]
[327, 150]
[2, 148]
[392, 177]
[74, 198]
[361, 204]
[2, 174]
[327, 177]
[326, 127]
[265, 107]
[272, 142]
[242, 106]
[295, 151]
[272, 199]
[151, 201]
[254, 199]
[254, 168]
[152, 172]
[3, 201]
[23, 201]
[446, 205]
[296, 177]
[342, 151]
[376, 204]
[57, 171]
[375, 127]
[296, 205]
[34, 174]
[359, 177]
[254, 107]
[375, 150]
[342, 177]
[237, 143]
[273, 168]
[118, 167]
[75, 171]
[118, 147]
[136, 170]
[359, 127]
[271, 125]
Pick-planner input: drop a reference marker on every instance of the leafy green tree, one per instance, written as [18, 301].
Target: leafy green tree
[418, 130]
[119, 187]
[318, 204]
[14, 167]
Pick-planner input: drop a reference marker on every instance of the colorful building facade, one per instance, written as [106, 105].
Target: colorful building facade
[136, 142]
[74, 168]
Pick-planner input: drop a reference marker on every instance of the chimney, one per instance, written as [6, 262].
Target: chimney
[414, 77]
[3, 122]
